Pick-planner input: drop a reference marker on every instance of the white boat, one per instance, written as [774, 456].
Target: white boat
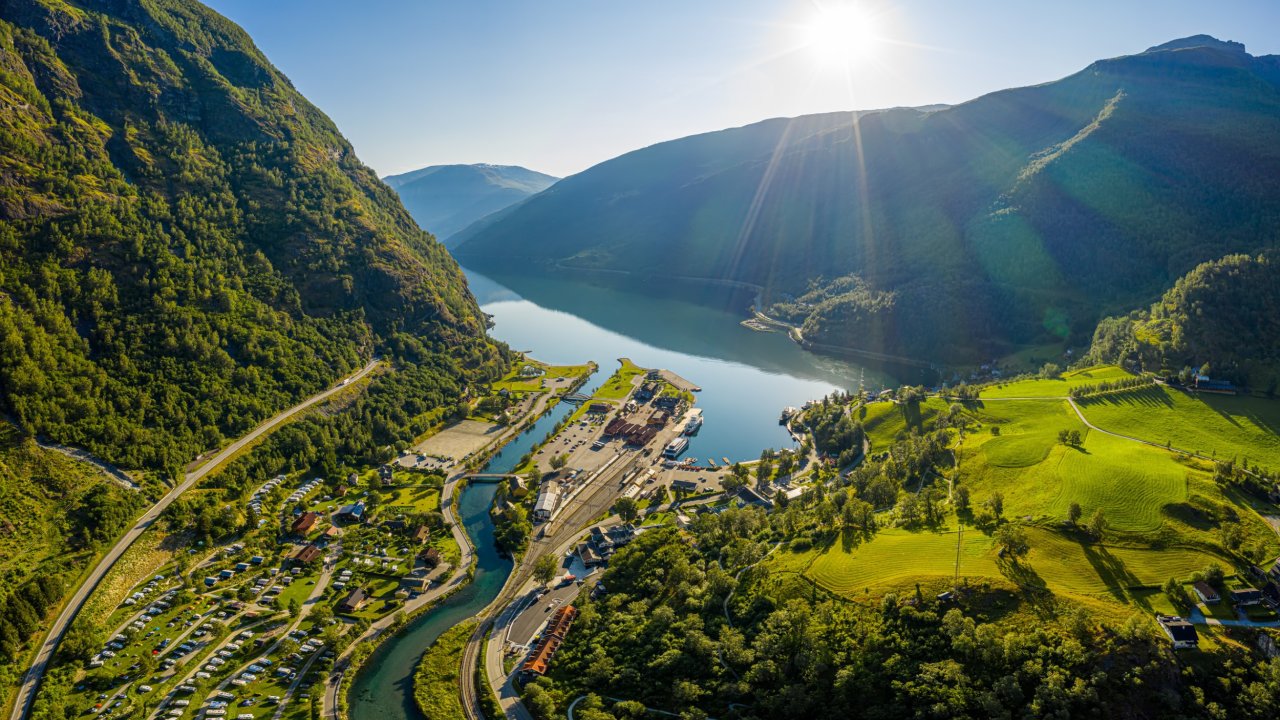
[675, 447]
[694, 424]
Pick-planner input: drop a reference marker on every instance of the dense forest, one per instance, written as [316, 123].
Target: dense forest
[960, 234]
[186, 244]
[687, 625]
[55, 513]
[1222, 318]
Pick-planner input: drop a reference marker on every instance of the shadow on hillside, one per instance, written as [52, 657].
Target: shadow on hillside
[1191, 515]
[1110, 569]
[1035, 591]
[1147, 396]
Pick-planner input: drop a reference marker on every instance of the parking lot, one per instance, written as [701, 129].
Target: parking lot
[576, 441]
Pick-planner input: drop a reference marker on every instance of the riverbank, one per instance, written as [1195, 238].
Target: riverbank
[376, 683]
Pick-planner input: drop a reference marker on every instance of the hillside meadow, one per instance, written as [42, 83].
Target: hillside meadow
[1164, 512]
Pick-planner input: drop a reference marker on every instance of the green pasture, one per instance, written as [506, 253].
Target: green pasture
[1226, 426]
[894, 557]
[1041, 388]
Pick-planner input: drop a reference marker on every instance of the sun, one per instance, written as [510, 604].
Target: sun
[842, 34]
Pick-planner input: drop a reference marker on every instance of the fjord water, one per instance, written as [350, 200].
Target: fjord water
[747, 377]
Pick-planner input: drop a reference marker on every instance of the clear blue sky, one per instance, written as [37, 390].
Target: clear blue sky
[560, 85]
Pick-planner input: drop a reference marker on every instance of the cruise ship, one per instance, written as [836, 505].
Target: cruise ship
[694, 424]
[675, 447]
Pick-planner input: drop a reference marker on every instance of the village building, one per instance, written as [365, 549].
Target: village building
[353, 601]
[1206, 593]
[421, 534]
[557, 629]
[1181, 633]
[516, 487]
[305, 523]
[548, 501]
[352, 513]
[686, 486]
[308, 555]
[1245, 597]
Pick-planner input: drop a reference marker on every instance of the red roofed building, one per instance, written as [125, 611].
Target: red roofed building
[305, 522]
[557, 630]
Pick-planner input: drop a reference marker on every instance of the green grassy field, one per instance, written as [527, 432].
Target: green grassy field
[1230, 427]
[514, 383]
[1129, 482]
[886, 422]
[1055, 388]
[895, 557]
[1039, 476]
[435, 684]
[620, 384]
[407, 500]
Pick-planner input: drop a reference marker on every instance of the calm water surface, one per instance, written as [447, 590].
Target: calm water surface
[747, 377]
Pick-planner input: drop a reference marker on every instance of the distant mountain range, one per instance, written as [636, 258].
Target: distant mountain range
[446, 198]
[1017, 219]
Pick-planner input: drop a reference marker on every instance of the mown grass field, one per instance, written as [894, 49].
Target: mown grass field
[1162, 509]
[895, 557]
[1230, 427]
[1055, 388]
[1039, 476]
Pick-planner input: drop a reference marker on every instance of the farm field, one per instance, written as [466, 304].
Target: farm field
[1058, 387]
[1129, 482]
[895, 557]
[1225, 426]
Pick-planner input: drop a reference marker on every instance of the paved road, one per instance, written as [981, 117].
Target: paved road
[31, 681]
[1198, 617]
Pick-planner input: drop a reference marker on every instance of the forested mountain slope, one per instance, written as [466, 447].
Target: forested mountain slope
[1223, 317]
[1018, 218]
[447, 198]
[187, 244]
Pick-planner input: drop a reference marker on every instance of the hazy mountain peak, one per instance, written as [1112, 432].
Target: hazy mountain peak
[446, 198]
[1195, 41]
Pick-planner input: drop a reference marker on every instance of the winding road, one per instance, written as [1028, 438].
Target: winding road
[31, 681]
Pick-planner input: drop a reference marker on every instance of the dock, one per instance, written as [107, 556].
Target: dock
[679, 382]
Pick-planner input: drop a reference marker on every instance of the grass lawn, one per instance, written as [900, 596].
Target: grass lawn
[620, 384]
[895, 556]
[300, 589]
[407, 500]
[435, 684]
[1055, 388]
[1232, 427]
[514, 383]
[1131, 484]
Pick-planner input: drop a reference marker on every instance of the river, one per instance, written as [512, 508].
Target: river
[747, 377]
